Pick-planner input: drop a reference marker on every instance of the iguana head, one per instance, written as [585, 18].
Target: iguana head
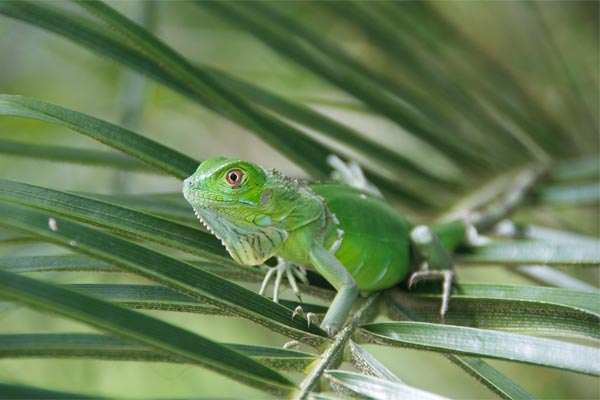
[226, 185]
[249, 208]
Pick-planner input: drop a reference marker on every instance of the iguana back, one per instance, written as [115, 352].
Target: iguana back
[375, 247]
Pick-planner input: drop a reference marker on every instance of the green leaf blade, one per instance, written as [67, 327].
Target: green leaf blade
[139, 327]
[484, 343]
[165, 270]
[532, 252]
[377, 388]
[103, 347]
[146, 150]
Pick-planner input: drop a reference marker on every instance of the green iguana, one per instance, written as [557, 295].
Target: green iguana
[350, 236]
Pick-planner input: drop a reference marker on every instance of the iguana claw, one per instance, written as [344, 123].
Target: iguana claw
[312, 317]
[445, 275]
[297, 310]
[291, 271]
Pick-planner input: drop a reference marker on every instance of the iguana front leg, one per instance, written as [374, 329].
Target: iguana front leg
[336, 274]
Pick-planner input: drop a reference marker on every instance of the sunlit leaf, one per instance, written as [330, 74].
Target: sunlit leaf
[532, 252]
[486, 343]
[377, 388]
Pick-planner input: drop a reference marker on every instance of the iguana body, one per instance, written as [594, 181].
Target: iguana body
[352, 238]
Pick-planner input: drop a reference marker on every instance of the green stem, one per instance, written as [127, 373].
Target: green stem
[489, 216]
[331, 356]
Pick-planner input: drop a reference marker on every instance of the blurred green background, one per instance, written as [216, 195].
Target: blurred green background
[43, 66]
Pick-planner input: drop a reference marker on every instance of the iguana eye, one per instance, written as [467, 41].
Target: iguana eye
[234, 177]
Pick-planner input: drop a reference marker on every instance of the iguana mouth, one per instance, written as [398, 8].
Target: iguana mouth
[207, 225]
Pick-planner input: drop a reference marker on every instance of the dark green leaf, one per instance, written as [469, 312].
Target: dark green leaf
[119, 219]
[315, 53]
[141, 328]
[72, 155]
[295, 143]
[22, 392]
[86, 345]
[162, 298]
[491, 377]
[165, 270]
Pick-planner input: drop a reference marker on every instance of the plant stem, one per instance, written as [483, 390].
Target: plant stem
[332, 354]
[489, 216]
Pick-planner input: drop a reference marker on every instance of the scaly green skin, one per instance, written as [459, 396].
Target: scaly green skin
[355, 240]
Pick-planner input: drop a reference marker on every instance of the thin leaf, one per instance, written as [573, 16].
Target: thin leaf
[402, 42]
[145, 150]
[217, 96]
[579, 169]
[491, 378]
[165, 270]
[65, 262]
[332, 129]
[377, 388]
[478, 369]
[119, 219]
[180, 67]
[22, 392]
[549, 276]
[369, 365]
[542, 233]
[162, 298]
[16, 238]
[471, 65]
[72, 155]
[86, 345]
[485, 343]
[506, 314]
[571, 195]
[141, 328]
[326, 60]
[317, 287]
[532, 252]
[301, 148]
[579, 300]
[177, 209]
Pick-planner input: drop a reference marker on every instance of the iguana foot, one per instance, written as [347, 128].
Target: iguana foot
[311, 318]
[351, 174]
[445, 275]
[291, 272]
